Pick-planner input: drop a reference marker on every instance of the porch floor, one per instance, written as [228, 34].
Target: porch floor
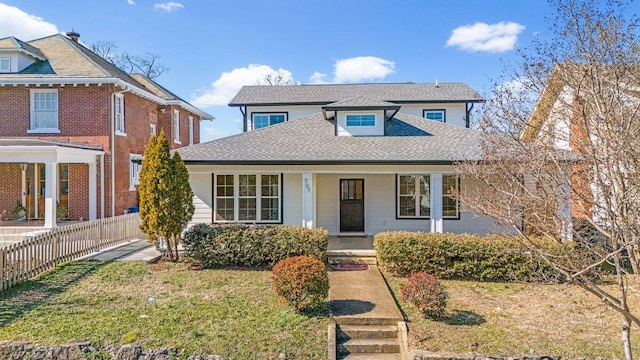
[350, 243]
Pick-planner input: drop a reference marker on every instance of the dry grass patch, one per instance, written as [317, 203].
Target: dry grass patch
[520, 319]
[233, 313]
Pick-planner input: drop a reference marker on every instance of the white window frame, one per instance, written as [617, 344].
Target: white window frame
[445, 194]
[152, 129]
[237, 197]
[253, 118]
[190, 130]
[135, 165]
[6, 60]
[118, 114]
[441, 111]
[32, 125]
[417, 195]
[346, 121]
[176, 126]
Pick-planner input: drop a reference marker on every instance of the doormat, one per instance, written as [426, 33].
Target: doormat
[347, 267]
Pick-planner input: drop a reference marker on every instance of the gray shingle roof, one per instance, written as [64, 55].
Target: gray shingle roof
[361, 102]
[11, 43]
[330, 93]
[311, 140]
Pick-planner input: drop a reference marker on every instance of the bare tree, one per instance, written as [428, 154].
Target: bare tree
[148, 64]
[274, 78]
[578, 145]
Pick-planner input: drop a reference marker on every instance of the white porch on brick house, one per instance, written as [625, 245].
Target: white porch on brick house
[29, 152]
[349, 200]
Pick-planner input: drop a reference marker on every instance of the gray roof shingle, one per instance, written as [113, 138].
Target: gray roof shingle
[311, 140]
[329, 93]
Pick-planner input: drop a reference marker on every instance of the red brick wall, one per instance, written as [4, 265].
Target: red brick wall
[10, 191]
[84, 115]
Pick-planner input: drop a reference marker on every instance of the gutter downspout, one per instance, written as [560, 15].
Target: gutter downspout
[102, 186]
[467, 120]
[244, 118]
[113, 147]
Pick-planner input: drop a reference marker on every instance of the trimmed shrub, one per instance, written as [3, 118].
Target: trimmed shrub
[241, 245]
[425, 292]
[465, 256]
[300, 280]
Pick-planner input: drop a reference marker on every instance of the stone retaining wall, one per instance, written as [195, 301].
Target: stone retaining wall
[424, 355]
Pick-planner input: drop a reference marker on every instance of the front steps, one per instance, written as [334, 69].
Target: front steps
[367, 340]
[335, 257]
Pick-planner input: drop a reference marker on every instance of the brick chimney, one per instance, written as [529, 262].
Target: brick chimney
[73, 35]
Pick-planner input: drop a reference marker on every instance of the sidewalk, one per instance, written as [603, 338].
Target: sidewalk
[361, 296]
[135, 250]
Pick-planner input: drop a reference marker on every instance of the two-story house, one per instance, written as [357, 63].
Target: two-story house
[355, 159]
[73, 128]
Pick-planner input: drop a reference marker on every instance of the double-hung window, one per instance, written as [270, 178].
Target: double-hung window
[44, 111]
[247, 198]
[176, 126]
[414, 196]
[135, 164]
[435, 115]
[414, 199]
[190, 130]
[361, 120]
[261, 120]
[5, 64]
[118, 113]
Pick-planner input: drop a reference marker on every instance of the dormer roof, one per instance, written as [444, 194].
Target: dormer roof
[11, 44]
[357, 104]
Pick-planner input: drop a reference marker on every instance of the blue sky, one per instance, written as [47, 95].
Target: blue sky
[215, 47]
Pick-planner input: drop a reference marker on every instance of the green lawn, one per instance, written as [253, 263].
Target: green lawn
[233, 313]
[520, 319]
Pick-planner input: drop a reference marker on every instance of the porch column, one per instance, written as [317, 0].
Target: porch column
[50, 194]
[93, 191]
[308, 200]
[436, 203]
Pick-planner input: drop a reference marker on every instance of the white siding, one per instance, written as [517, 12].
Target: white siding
[202, 198]
[455, 113]
[293, 112]
[292, 199]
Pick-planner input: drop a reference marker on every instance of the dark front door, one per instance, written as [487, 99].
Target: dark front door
[351, 205]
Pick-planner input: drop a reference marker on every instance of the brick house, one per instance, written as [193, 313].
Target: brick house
[73, 128]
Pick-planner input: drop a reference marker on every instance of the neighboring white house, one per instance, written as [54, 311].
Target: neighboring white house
[352, 158]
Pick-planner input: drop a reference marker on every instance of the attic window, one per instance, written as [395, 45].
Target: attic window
[361, 120]
[5, 64]
[435, 114]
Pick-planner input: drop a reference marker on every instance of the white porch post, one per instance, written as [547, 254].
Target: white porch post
[308, 200]
[93, 191]
[23, 198]
[50, 194]
[436, 203]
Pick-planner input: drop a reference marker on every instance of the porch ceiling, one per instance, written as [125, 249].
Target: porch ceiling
[16, 150]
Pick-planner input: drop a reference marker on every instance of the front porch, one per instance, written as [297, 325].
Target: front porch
[39, 183]
[351, 250]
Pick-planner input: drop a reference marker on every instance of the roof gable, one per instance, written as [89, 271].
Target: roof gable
[13, 44]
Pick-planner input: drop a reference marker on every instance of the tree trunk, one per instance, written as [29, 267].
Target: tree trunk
[626, 338]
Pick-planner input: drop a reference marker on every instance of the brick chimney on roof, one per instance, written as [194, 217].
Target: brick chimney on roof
[73, 35]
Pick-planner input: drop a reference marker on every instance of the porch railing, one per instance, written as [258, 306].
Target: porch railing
[37, 254]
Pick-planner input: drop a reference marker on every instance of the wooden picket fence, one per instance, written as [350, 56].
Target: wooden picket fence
[42, 252]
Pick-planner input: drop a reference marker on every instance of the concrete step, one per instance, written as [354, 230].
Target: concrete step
[355, 320]
[341, 258]
[369, 346]
[370, 357]
[367, 332]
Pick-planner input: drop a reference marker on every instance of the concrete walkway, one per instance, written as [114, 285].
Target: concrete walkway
[361, 296]
[135, 250]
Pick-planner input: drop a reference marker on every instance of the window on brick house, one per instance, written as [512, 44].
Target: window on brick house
[5, 64]
[118, 113]
[176, 126]
[190, 130]
[135, 164]
[44, 111]
[152, 129]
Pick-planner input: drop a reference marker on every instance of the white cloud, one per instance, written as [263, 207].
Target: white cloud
[318, 78]
[168, 6]
[362, 68]
[495, 38]
[24, 26]
[131, 2]
[229, 83]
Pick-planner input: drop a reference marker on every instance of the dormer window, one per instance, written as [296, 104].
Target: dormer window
[435, 114]
[361, 120]
[5, 64]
